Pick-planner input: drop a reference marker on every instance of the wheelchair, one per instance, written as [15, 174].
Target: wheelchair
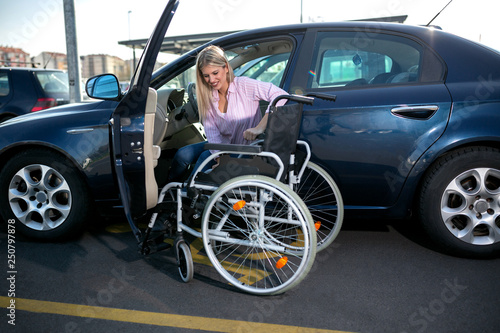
[255, 209]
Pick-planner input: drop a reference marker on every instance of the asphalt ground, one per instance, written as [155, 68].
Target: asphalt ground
[378, 276]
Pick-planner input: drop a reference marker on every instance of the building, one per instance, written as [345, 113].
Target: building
[95, 64]
[51, 60]
[14, 57]
[91, 65]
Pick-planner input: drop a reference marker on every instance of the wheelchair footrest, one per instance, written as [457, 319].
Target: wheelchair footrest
[167, 206]
[153, 244]
[153, 248]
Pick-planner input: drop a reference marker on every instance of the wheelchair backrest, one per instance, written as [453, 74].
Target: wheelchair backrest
[281, 135]
[282, 131]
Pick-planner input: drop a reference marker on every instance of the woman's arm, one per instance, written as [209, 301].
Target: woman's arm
[261, 91]
[252, 133]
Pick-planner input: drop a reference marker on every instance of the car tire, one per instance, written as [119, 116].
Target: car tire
[44, 194]
[460, 202]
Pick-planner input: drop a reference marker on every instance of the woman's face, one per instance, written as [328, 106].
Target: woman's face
[216, 77]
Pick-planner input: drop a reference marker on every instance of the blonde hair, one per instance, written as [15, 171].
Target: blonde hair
[209, 56]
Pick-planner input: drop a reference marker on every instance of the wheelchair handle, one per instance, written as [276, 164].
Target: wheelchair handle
[295, 98]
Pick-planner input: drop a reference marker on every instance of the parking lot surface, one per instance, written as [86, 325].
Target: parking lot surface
[378, 276]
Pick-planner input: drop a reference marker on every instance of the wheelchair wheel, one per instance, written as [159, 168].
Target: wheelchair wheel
[259, 235]
[322, 197]
[184, 261]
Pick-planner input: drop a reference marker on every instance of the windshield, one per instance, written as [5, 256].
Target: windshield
[53, 82]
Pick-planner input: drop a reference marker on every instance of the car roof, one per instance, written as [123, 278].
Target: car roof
[31, 69]
[447, 45]
[431, 35]
[363, 27]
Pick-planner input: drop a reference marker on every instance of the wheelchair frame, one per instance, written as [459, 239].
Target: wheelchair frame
[257, 232]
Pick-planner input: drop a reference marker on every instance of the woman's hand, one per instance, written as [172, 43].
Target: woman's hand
[252, 133]
[217, 160]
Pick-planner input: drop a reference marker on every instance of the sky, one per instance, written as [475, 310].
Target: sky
[38, 25]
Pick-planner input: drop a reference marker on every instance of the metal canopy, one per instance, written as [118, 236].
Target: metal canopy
[395, 19]
[178, 44]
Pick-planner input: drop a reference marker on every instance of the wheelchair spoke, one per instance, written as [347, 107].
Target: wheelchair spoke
[322, 197]
[258, 236]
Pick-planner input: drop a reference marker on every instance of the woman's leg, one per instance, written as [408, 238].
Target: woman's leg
[203, 156]
[183, 158]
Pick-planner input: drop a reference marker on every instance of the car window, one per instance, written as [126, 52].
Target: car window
[354, 59]
[182, 80]
[264, 61]
[4, 84]
[268, 68]
[53, 82]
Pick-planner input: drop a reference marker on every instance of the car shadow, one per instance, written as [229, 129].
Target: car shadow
[408, 228]
[413, 231]
[163, 261]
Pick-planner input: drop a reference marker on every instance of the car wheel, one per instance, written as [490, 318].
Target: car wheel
[460, 202]
[44, 194]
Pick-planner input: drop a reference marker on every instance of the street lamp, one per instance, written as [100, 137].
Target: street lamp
[301, 9]
[133, 46]
[129, 12]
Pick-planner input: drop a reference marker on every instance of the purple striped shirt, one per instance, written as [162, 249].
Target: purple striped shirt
[243, 110]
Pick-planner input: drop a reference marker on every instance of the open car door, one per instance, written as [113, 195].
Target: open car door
[132, 127]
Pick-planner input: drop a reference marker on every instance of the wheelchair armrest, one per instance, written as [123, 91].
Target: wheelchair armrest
[234, 148]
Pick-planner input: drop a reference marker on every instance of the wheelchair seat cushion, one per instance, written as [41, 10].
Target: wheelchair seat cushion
[230, 167]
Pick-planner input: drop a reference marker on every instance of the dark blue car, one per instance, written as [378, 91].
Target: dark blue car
[414, 130]
[24, 90]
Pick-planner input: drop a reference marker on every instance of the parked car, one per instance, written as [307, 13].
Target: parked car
[24, 90]
[415, 130]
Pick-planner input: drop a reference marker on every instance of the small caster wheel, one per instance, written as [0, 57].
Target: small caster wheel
[184, 261]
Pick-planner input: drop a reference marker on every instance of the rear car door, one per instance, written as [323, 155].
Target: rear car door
[128, 126]
[392, 105]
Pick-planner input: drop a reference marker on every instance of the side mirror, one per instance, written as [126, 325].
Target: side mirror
[104, 86]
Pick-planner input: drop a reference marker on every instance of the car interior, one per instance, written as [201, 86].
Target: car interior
[176, 116]
[349, 61]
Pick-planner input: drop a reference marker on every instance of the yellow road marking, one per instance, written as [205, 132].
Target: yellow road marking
[248, 276]
[153, 318]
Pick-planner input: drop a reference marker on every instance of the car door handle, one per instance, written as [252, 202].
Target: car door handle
[415, 112]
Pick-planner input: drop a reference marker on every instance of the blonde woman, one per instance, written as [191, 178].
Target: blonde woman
[228, 105]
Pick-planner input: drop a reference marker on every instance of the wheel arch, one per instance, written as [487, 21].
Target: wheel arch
[14, 149]
[433, 156]
[61, 212]
[456, 232]
[8, 115]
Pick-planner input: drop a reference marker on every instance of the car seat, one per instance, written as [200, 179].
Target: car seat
[151, 151]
